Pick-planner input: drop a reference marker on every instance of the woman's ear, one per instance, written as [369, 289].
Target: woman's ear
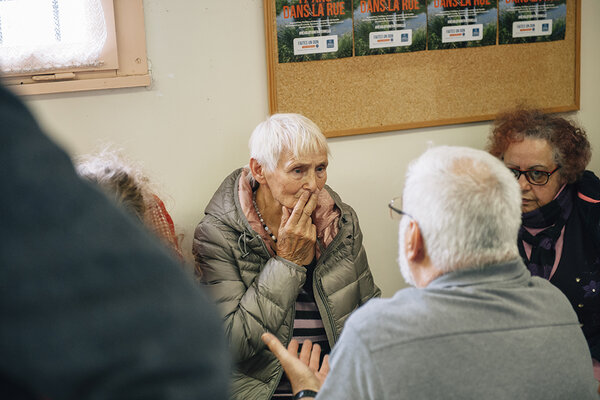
[257, 171]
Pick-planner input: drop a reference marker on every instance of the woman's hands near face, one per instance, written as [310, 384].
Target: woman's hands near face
[297, 234]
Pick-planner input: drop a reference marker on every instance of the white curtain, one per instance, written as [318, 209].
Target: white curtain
[42, 35]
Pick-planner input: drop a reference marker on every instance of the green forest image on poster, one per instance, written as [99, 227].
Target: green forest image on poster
[453, 24]
[389, 26]
[309, 30]
[531, 21]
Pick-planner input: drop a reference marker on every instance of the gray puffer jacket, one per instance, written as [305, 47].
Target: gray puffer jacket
[256, 292]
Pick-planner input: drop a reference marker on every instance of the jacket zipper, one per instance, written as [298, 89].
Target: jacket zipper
[280, 373]
[334, 334]
[329, 318]
[319, 288]
[289, 339]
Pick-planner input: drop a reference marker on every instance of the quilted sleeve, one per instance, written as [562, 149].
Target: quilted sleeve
[248, 311]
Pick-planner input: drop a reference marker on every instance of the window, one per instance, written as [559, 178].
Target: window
[52, 46]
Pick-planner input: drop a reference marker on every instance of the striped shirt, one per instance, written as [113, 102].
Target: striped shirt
[307, 325]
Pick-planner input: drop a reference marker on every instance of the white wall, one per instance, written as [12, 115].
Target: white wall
[190, 128]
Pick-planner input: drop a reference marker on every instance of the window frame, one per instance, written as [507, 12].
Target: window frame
[132, 68]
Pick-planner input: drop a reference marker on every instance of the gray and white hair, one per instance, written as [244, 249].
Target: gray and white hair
[120, 179]
[467, 205]
[285, 132]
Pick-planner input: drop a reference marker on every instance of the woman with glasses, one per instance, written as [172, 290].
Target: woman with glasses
[280, 252]
[559, 238]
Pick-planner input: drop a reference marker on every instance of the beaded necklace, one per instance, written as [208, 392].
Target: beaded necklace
[262, 221]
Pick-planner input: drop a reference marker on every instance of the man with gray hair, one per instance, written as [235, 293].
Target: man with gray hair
[476, 325]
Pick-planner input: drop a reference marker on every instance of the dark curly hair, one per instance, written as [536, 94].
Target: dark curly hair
[571, 148]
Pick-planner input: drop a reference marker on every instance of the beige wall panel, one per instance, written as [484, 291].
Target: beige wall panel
[190, 127]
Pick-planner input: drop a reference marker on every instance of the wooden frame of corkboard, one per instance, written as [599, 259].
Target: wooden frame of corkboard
[369, 94]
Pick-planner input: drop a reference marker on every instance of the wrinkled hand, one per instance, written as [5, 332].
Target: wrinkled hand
[302, 370]
[297, 234]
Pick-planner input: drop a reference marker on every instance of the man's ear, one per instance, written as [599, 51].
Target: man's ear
[415, 246]
[257, 171]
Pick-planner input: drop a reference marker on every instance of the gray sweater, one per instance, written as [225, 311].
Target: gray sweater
[493, 333]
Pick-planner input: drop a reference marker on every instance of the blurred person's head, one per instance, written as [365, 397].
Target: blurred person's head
[123, 181]
[119, 180]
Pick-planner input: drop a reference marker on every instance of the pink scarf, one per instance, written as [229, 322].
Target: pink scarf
[325, 217]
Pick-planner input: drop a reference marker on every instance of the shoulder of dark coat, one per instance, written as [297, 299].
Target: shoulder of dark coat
[588, 197]
[588, 202]
[588, 188]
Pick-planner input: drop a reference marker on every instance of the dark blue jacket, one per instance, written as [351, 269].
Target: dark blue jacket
[578, 272]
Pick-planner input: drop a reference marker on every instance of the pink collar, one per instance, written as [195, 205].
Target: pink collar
[325, 217]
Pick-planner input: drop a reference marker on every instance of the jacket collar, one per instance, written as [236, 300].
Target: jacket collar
[325, 217]
[511, 270]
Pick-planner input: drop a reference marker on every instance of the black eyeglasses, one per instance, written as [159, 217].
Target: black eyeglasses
[534, 176]
[395, 207]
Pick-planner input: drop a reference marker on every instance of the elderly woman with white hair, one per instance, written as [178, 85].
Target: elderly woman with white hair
[280, 252]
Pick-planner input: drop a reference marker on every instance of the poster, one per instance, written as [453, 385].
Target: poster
[389, 26]
[461, 23]
[310, 30]
[527, 21]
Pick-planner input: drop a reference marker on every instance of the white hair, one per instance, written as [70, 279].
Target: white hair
[285, 132]
[119, 178]
[467, 205]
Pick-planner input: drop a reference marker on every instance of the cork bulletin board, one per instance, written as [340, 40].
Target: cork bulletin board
[368, 94]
